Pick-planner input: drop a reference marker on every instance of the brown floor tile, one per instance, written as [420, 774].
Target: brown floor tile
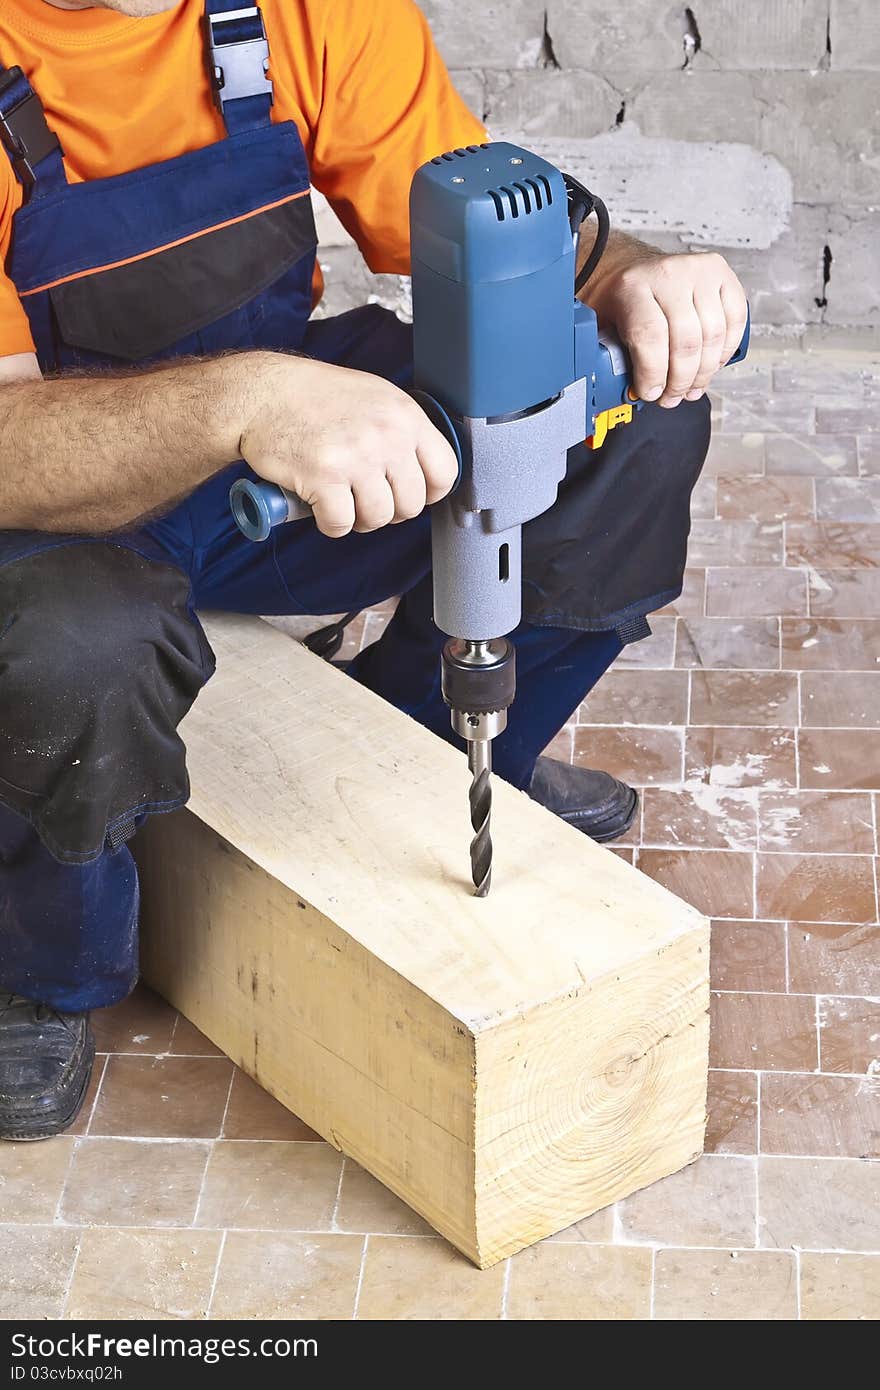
[691, 602]
[745, 592]
[276, 1275]
[580, 1283]
[597, 1229]
[733, 1113]
[830, 644]
[766, 499]
[816, 822]
[869, 455]
[655, 652]
[36, 1263]
[741, 757]
[812, 455]
[833, 1116]
[844, 593]
[637, 697]
[816, 888]
[720, 543]
[839, 699]
[825, 958]
[81, 1123]
[562, 746]
[833, 545]
[163, 1097]
[704, 498]
[254, 1114]
[123, 1182]
[640, 756]
[718, 1285]
[188, 1041]
[819, 1204]
[743, 453]
[837, 1288]
[366, 1205]
[784, 412]
[763, 1032]
[753, 698]
[816, 378]
[711, 1202]
[626, 853]
[141, 1023]
[31, 1179]
[274, 1186]
[849, 1036]
[744, 643]
[718, 882]
[855, 419]
[408, 1278]
[702, 817]
[144, 1274]
[748, 956]
[848, 499]
[840, 758]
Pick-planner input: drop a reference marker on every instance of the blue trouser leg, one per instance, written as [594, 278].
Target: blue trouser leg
[555, 670]
[68, 932]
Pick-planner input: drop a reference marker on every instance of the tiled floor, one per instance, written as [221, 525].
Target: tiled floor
[752, 719]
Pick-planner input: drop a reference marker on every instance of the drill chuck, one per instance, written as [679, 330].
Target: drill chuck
[478, 680]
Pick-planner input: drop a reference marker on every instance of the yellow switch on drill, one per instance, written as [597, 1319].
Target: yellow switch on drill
[617, 415]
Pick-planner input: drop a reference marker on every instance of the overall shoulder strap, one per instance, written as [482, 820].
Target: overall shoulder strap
[238, 56]
[34, 150]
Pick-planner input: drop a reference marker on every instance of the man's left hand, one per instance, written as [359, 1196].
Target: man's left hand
[682, 317]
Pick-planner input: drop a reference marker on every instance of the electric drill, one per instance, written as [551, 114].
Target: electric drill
[512, 368]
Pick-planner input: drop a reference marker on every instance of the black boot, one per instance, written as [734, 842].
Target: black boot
[46, 1060]
[594, 802]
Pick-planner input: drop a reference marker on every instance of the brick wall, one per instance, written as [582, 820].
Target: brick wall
[749, 125]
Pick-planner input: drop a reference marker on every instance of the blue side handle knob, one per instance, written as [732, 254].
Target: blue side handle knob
[257, 507]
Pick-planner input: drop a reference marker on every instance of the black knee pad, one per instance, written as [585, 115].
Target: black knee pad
[100, 658]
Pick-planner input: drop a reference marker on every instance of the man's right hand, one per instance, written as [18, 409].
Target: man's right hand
[353, 446]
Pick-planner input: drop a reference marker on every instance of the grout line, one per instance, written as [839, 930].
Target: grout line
[209, 1146]
[74, 1149]
[66, 1299]
[505, 1287]
[210, 1304]
[785, 928]
[88, 1127]
[335, 1213]
[357, 1292]
[797, 742]
[226, 1106]
[818, 1037]
[173, 1031]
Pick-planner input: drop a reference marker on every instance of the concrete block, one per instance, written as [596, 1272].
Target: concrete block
[854, 284]
[548, 102]
[639, 36]
[328, 226]
[855, 34]
[673, 186]
[772, 34]
[470, 86]
[784, 281]
[505, 34]
[692, 104]
[825, 128]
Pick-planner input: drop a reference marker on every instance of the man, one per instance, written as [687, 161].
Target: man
[155, 223]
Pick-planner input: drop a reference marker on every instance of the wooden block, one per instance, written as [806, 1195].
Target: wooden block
[506, 1065]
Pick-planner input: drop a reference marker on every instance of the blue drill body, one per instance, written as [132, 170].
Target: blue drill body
[511, 366]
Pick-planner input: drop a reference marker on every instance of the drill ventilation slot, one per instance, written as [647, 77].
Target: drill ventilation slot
[528, 196]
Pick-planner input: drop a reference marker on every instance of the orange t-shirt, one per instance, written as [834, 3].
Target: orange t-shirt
[362, 80]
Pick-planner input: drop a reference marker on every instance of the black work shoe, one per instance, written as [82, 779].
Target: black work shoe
[45, 1063]
[594, 802]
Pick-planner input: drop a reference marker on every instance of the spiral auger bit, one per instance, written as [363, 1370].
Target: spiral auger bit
[479, 683]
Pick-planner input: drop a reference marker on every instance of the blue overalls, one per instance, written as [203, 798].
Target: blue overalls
[101, 653]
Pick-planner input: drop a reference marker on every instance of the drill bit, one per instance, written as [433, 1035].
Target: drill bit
[480, 764]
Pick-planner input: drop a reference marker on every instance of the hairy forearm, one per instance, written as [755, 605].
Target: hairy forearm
[95, 453]
[622, 251]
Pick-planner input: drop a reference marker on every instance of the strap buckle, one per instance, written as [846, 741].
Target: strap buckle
[23, 128]
[238, 65]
